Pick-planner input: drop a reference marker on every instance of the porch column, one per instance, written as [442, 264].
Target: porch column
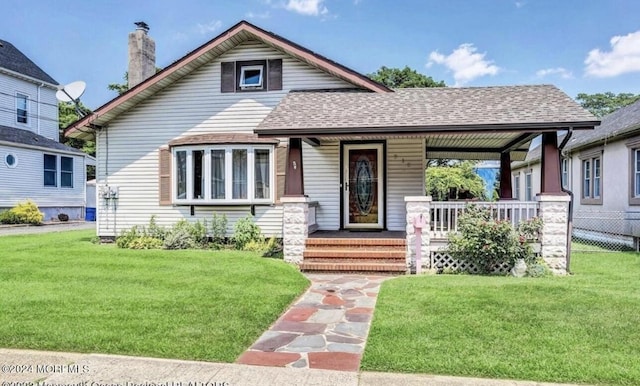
[417, 206]
[554, 212]
[550, 170]
[505, 176]
[294, 177]
[295, 227]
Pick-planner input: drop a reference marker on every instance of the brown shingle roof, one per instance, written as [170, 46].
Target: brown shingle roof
[427, 109]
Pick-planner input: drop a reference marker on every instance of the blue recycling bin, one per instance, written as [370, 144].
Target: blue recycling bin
[90, 214]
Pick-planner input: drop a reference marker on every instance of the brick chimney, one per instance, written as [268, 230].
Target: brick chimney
[142, 55]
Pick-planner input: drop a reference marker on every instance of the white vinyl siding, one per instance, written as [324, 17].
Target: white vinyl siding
[193, 105]
[405, 177]
[42, 106]
[25, 180]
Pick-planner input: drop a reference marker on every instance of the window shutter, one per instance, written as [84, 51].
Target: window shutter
[281, 167]
[275, 74]
[164, 166]
[228, 77]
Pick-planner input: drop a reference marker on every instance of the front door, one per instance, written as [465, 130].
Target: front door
[363, 184]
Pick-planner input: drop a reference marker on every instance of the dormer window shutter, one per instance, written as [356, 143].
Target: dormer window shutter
[228, 78]
[275, 74]
[164, 168]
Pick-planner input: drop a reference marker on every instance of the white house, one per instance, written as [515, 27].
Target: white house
[251, 123]
[33, 163]
[602, 170]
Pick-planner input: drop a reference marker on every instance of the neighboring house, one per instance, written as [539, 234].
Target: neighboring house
[251, 123]
[33, 163]
[602, 169]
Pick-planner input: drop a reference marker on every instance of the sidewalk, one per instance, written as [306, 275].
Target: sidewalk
[70, 369]
[8, 230]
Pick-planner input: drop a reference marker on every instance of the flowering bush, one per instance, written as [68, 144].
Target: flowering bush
[486, 242]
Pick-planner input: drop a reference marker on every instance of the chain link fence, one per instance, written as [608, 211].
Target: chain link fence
[605, 231]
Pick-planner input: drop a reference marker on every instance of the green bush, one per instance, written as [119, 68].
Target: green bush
[24, 213]
[179, 237]
[246, 231]
[486, 242]
[154, 230]
[126, 237]
[145, 242]
[219, 228]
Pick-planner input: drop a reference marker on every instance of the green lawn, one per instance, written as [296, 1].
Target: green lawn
[582, 329]
[60, 292]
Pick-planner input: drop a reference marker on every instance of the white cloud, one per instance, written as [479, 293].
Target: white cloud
[465, 63]
[307, 7]
[560, 71]
[520, 4]
[624, 57]
[253, 15]
[212, 26]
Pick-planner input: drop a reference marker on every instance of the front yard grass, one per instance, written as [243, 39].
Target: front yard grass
[583, 329]
[60, 292]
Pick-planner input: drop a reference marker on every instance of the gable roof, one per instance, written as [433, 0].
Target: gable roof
[617, 125]
[14, 136]
[229, 39]
[15, 61]
[426, 110]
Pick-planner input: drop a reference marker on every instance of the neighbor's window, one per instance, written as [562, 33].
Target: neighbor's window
[224, 174]
[636, 173]
[50, 170]
[592, 181]
[528, 188]
[565, 173]
[251, 76]
[66, 172]
[516, 187]
[22, 108]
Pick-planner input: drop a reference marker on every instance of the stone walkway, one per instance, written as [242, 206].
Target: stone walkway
[326, 328]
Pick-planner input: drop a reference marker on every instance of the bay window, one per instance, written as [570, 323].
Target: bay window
[229, 174]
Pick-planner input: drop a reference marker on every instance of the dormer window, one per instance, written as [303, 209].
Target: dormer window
[251, 77]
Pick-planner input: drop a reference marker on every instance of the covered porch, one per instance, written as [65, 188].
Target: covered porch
[357, 170]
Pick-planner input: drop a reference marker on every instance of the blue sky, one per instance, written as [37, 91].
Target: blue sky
[580, 46]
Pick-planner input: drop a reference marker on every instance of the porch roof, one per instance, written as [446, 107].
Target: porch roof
[501, 118]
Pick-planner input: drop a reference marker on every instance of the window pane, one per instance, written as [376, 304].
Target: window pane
[181, 175]
[66, 172]
[565, 172]
[596, 178]
[239, 177]
[197, 158]
[50, 170]
[21, 108]
[262, 173]
[217, 174]
[586, 184]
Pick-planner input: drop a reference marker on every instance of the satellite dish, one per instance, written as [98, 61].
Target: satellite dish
[71, 92]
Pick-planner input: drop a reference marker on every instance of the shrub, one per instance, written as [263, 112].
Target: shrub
[485, 242]
[24, 213]
[219, 228]
[178, 237]
[126, 237]
[145, 242]
[154, 230]
[245, 231]
[531, 228]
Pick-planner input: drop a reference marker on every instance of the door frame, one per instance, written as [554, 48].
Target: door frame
[381, 146]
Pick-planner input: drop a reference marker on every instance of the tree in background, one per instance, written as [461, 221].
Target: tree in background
[121, 88]
[602, 104]
[403, 78]
[67, 114]
[457, 180]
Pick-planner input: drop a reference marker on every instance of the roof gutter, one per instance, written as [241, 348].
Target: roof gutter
[570, 193]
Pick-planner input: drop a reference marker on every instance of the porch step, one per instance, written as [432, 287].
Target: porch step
[371, 255]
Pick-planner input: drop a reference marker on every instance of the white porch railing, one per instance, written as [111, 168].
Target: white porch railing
[444, 214]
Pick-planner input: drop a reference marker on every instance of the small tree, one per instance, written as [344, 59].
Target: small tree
[459, 177]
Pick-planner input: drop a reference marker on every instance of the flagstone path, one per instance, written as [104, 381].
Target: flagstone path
[326, 328]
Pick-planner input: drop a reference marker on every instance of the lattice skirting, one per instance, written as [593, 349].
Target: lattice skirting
[442, 262]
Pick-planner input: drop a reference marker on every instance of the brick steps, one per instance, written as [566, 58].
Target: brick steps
[349, 255]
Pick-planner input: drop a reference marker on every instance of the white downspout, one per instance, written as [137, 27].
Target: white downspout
[38, 102]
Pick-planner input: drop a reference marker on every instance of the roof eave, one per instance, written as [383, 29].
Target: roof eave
[28, 78]
[424, 129]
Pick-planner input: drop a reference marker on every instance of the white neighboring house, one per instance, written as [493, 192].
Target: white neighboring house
[602, 169]
[33, 163]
